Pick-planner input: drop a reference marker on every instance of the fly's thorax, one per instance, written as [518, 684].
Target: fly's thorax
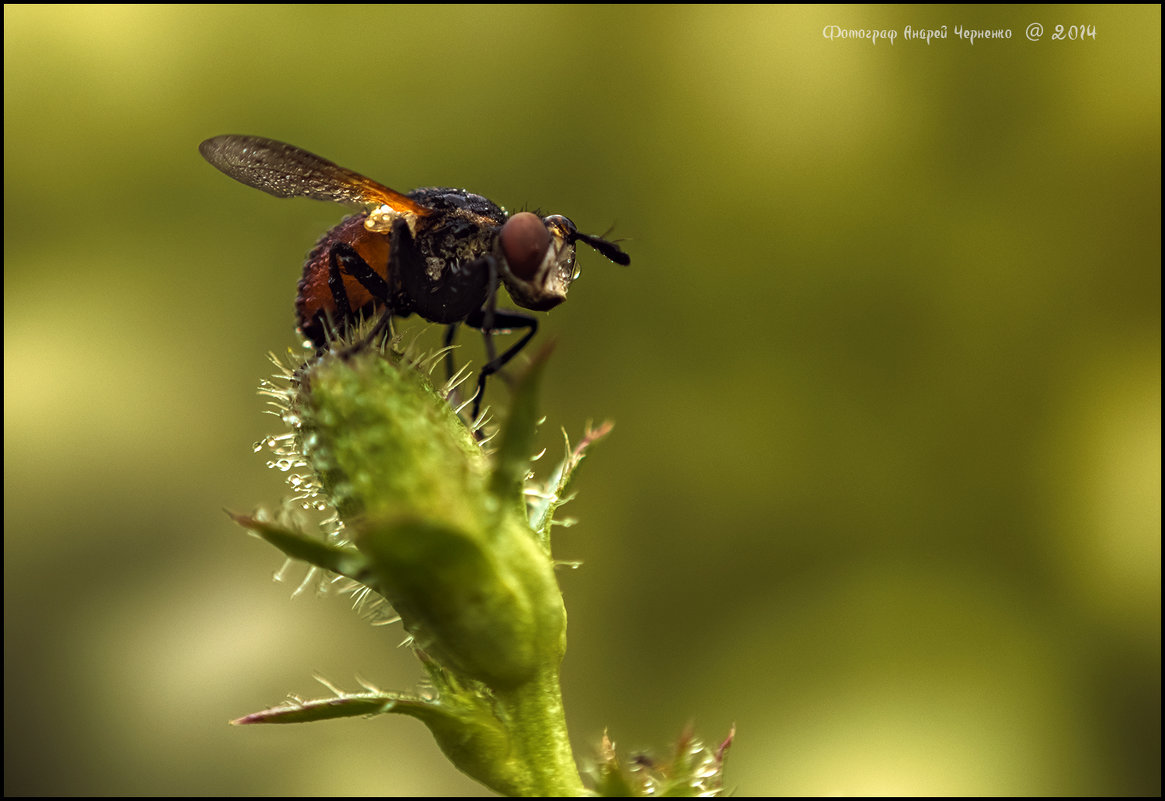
[461, 229]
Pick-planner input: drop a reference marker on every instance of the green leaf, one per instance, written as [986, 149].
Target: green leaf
[516, 445]
[347, 706]
[346, 561]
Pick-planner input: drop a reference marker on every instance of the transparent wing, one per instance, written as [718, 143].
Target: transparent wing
[284, 170]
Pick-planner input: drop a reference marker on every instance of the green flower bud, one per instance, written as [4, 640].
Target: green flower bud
[447, 543]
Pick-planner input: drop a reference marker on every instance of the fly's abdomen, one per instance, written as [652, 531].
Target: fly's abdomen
[345, 275]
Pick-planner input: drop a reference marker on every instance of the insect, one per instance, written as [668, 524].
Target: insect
[436, 252]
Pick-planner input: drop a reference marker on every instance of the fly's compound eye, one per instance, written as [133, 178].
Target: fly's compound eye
[525, 240]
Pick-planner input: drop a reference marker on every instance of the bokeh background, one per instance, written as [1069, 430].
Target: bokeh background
[884, 486]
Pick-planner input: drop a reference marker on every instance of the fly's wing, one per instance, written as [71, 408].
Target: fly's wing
[284, 170]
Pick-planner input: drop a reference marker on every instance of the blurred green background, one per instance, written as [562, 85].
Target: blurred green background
[884, 486]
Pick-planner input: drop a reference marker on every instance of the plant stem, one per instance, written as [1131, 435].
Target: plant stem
[537, 724]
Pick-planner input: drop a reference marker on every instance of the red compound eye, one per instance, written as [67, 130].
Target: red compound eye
[525, 241]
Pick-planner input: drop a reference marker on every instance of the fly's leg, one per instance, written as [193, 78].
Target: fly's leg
[491, 321]
[344, 260]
